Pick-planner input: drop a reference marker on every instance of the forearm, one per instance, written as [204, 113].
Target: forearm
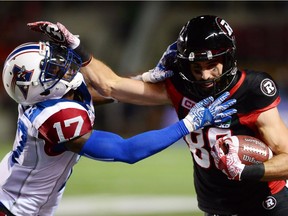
[140, 93]
[110, 85]
[276, 168]
[274, 133]
[97, 98]
[99, 76]
[111, 147]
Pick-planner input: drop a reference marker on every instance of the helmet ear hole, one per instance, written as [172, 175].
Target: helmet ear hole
[45, 93]
[42, 65]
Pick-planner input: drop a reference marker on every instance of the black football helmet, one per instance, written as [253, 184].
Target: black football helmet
[205, 38]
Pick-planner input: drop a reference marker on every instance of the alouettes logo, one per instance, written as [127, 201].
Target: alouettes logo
[20, 74]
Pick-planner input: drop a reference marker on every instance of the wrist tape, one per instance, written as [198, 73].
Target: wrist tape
[84, 54]
[253, 172]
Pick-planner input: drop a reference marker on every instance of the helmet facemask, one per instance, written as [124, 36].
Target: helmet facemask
[220, 83]
[61, 64]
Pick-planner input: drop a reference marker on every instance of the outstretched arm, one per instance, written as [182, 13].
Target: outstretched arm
[99, 76]
[110, 85]
[108, 146]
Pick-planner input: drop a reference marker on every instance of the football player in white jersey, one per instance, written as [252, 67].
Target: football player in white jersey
[55, 128]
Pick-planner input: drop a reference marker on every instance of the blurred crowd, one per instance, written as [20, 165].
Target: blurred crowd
[130, 36]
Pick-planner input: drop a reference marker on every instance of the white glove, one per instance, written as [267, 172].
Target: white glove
[57, 32]
[206, 112]
[228, 162]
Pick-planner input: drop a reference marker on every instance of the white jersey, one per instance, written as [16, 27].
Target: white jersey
[34, 173]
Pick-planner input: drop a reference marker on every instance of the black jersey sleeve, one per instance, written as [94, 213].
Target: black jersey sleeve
[258, 91]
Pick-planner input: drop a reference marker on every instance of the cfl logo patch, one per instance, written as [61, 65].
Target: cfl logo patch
[269, 203]
[187, 103]
[268, 87]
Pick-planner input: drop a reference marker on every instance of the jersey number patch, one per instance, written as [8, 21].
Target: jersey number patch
[196, 142]
[78, 120]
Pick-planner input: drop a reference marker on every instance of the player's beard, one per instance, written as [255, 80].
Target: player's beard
[205, 88]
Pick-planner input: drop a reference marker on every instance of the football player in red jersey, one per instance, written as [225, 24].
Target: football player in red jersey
[202, 63]
[55, 127]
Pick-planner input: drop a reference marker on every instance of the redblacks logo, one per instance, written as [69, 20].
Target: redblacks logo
[269, 203]
[225, 27]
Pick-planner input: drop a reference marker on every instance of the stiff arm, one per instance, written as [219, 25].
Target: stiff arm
[108, 84]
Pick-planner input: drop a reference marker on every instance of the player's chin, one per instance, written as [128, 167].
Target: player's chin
[206, 87]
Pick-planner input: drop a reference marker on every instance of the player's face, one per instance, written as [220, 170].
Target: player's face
[207, 71]
[58, 69]
[71, 72]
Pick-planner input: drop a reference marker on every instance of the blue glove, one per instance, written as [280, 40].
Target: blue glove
[161, 72]
[219, 110]
[206, 112]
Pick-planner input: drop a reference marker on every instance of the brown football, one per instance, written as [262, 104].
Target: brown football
[251, 150]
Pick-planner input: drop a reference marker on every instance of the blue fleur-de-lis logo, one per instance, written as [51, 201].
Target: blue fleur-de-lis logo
[20, 74]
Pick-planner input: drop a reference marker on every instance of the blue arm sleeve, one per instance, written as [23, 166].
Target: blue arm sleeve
[108, 146]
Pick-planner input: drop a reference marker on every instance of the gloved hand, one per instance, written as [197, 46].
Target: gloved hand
[206, 112]
[229, 162]
[161, 72]
[220, 110]
[57, 32]
[60, 34]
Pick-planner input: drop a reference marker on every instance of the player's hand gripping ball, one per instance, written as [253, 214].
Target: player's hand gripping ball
[250, 149]
[232, 153]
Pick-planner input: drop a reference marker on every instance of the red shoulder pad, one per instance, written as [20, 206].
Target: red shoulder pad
[65, 125]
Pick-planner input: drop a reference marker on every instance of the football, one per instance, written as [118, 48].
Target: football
[251, 150]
